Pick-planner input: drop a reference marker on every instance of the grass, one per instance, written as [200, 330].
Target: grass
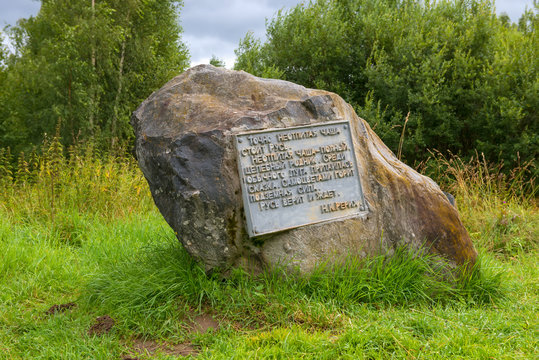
[498, 209]
[83, 229]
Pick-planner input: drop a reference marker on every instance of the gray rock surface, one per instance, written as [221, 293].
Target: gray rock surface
[185, 148]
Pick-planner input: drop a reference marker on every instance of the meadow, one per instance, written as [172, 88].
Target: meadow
[90, 270]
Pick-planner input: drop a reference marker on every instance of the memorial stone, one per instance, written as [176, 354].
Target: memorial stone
[255, 173]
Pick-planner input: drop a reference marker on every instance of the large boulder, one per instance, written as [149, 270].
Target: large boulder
[185, 145]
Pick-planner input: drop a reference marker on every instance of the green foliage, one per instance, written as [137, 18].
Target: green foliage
[86, 65]
[468, 78]
[248, 59]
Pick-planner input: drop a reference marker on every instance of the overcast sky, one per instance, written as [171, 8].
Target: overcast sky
[215, 27]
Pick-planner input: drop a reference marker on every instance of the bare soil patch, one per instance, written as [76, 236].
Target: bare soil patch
[102, 325]
[202, 323]
[60, 308]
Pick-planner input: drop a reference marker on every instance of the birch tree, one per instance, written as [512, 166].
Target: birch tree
[86, 65]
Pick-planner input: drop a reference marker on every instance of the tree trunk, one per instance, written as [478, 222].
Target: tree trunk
[92, 88]
[114, 124]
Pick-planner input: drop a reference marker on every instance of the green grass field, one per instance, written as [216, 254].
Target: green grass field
[83, 231]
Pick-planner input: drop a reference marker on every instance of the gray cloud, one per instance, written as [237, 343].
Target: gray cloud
[513, 8]
[14, 10]
[202, 48]
[216, 27]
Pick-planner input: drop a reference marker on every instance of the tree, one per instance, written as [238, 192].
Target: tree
[468, 80]
[87, 64]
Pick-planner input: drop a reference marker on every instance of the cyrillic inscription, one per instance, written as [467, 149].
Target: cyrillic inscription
[297, 176]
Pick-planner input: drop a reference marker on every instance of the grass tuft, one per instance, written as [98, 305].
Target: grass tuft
[162, 282]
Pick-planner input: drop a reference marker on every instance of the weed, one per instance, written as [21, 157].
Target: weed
[499, 210]
[55, 187]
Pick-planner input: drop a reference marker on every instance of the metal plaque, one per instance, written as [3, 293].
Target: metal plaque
[298, 176]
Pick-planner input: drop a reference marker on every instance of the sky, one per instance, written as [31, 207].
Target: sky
[215, 27]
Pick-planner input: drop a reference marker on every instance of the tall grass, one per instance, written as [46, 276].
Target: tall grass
[499, 208]
[79, 225]
[61, 186]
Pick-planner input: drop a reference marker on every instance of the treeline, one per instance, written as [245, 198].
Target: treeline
[467, 78]
[447, 75]
[85, 65]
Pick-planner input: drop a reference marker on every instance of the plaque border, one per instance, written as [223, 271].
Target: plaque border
[248, 216]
